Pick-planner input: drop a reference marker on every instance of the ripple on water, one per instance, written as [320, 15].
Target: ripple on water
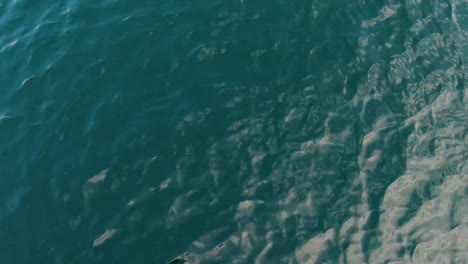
[288, 132]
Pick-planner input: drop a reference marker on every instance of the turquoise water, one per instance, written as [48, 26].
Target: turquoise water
[242, 131]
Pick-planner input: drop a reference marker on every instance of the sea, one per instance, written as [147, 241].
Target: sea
[233, 131]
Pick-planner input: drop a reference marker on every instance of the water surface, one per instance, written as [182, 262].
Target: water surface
[245, 131]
